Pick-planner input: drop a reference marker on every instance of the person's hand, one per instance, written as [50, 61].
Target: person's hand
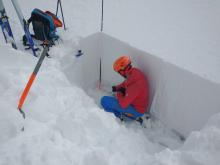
[114, 89]
[122, 90]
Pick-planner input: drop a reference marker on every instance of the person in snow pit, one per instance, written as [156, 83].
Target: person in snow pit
[131, 97]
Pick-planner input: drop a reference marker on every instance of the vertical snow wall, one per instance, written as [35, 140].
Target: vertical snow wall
[181, 99]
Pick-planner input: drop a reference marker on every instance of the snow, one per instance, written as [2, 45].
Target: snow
[65, 125]
[185, 33]
[174, 91]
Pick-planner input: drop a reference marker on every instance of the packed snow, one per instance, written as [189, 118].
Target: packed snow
[64, 124]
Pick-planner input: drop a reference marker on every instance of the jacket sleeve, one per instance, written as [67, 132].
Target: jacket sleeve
[120, 85]
[131, 93]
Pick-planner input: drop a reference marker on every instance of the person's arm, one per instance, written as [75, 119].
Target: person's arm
[120, 85]
[131, 93]
[119, 88]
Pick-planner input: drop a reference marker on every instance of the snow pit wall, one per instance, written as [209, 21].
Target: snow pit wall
[182, 100]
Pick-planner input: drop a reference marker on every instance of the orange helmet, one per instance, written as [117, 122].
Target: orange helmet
[121, 63]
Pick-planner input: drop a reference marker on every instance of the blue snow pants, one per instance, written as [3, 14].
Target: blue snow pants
[111, 104]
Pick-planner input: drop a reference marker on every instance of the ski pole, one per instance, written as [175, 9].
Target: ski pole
[62, 15]
[57, 7]
[100, 60]
[100, 73]
[102, 15]
[59, 3]
[32, 78]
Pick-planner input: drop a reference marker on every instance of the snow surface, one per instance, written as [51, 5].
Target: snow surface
[64, 125]
[185, 33]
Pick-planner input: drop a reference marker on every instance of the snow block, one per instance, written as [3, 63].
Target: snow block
[185, 101]
[181, 99]
[101, 46]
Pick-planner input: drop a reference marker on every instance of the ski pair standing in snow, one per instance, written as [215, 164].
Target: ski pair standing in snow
[5, 26]
[25, 27]
[132, 95]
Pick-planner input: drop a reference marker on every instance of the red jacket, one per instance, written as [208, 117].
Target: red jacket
[137, 91]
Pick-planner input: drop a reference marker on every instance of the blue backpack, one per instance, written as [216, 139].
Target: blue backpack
[44, 25]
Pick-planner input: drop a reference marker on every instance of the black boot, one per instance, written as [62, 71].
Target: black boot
[140, 120]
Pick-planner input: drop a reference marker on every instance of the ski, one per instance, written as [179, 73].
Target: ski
[25, 27]
[5, 26]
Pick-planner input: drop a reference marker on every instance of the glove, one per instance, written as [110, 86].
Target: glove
[114, 89]
[122, 90]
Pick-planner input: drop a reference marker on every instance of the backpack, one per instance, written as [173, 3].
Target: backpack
[44, 25]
